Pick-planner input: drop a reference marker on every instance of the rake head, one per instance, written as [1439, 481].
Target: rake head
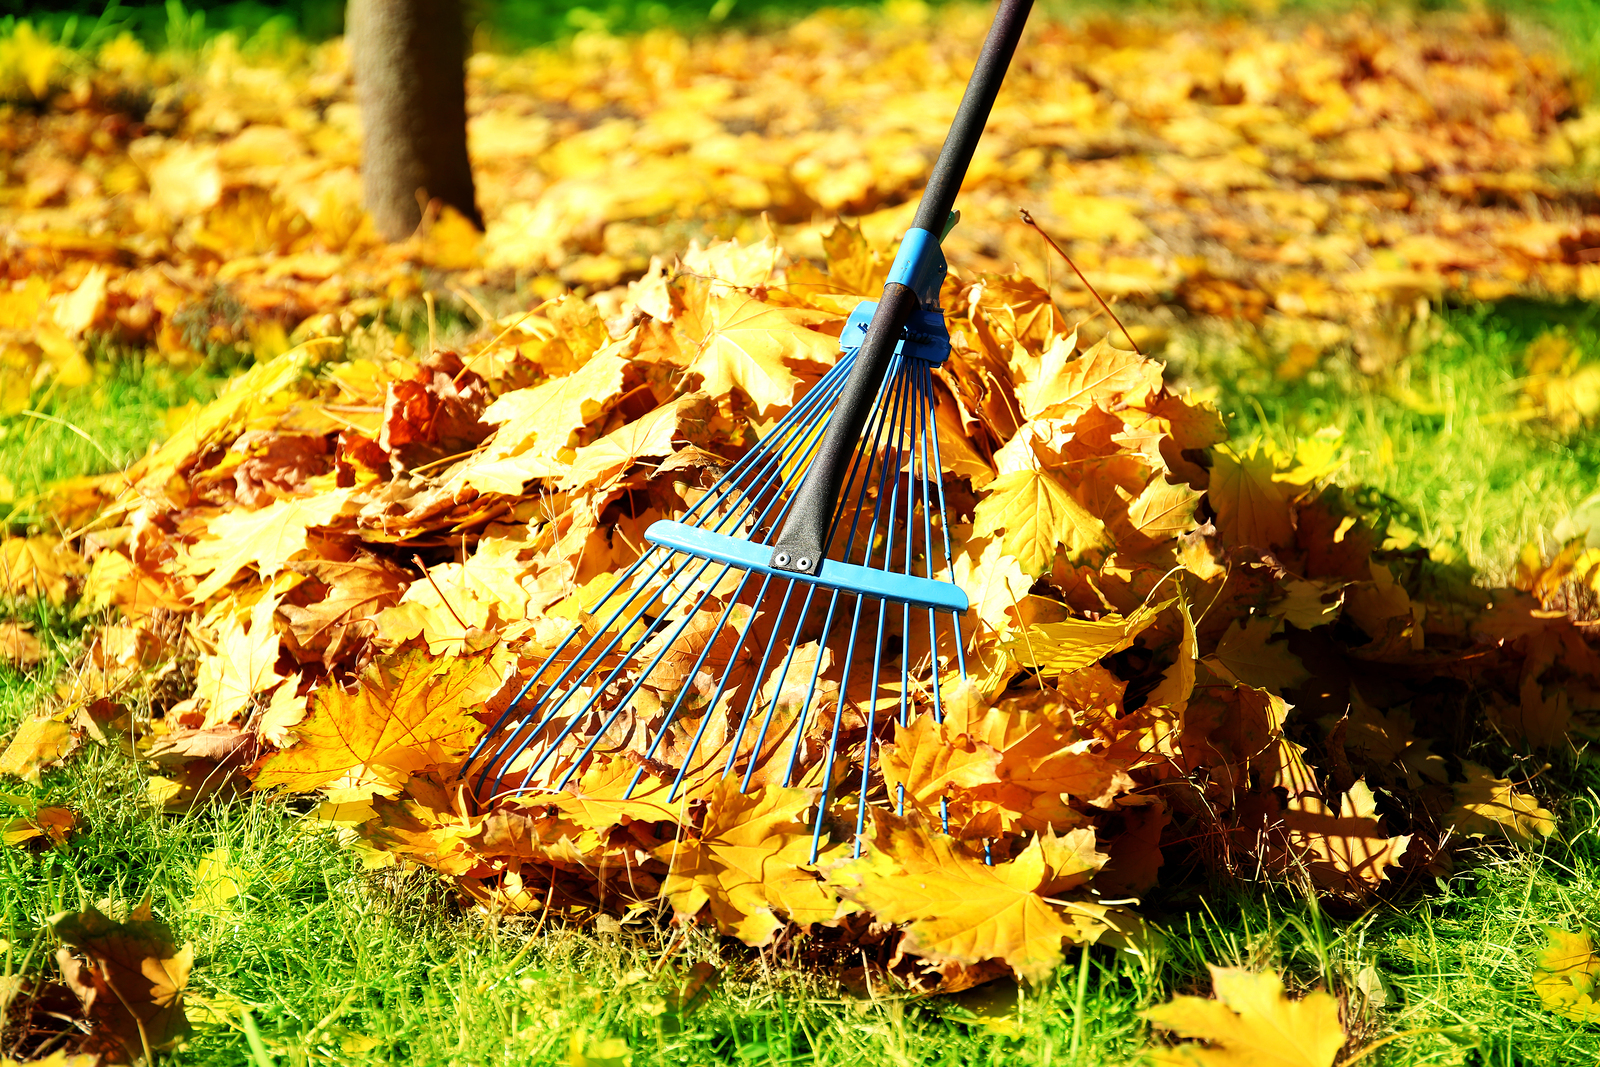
[717, 654]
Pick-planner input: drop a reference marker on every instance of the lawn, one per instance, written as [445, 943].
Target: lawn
[302, 955]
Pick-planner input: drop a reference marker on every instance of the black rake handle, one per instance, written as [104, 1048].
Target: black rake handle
[803, 541]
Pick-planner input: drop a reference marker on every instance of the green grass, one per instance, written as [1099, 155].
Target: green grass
[1436, 433]
[332, 964]
[90, 430]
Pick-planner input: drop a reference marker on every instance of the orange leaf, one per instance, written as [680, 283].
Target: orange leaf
[406, 712]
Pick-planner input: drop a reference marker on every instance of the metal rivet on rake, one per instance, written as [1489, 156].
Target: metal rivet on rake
[803, 563]
[781, 559]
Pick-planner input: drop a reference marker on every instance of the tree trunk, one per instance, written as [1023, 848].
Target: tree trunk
[409, 62]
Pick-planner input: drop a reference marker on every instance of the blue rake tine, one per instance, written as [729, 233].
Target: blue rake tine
[870, 454]
[797, 424]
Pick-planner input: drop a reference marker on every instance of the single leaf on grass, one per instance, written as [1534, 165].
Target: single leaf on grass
[1032, 513]
[955, 906]
[264, 539]
[39, 744]
[19, 647]
[217, 881]
[129, 976]
[1566, 976]
[1244, 655]
[1069, 645]
[406, 712]
[1489, 805]
[1252, 1023]
[51, 825]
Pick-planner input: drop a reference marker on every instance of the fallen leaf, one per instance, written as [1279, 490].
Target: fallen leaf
[1252, 1023]
[1565, 975]
[405, 712]
[130, 977]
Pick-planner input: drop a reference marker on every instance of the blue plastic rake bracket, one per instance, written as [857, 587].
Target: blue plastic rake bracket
[845, 577]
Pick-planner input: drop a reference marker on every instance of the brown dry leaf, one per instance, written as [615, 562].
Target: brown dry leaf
[130, 977]
[18, 646]
[406, 712]
[1252, 1023]
[1567, 971]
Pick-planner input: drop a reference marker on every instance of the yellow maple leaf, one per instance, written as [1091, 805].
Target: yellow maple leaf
[926, 761]
[1069, 645]
[743, 343]
[1252, 1023]
[39, 743]
[1065, 387]
[1163, 509]
[406, 712]
[955, 906]
[749, 862]
[37, 567]
[244, 664]
[1032, 513]
[1566, 976]
[454, 606]
[1252, 508]
[1489, 805]
[1347, 850]
[536, 422]
[994, 583]
[649, 437]
[264, 539]
[217, 881]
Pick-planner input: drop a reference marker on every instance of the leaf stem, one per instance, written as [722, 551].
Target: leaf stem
[1027, 218]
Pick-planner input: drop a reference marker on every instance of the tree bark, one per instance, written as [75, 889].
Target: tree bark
[409, 62]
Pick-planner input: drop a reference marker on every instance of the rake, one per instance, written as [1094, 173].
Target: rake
[715, 652]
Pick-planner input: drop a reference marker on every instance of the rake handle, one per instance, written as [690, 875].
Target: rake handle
[803, 541]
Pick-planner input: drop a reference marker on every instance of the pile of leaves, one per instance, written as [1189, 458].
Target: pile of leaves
[333, 576]
[1314, 181]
